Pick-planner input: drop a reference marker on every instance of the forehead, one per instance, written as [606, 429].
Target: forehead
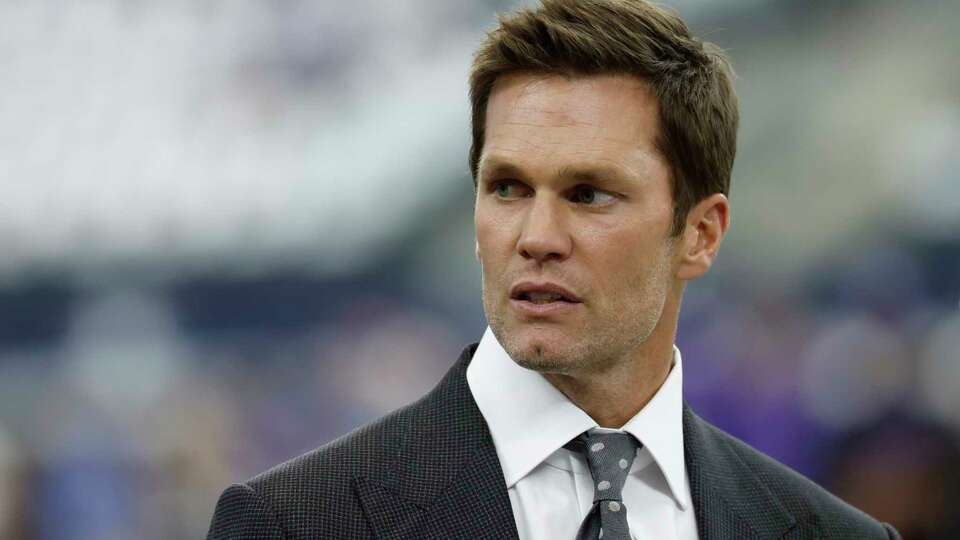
[608, 119]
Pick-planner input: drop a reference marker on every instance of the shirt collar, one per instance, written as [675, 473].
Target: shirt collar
[514, 399]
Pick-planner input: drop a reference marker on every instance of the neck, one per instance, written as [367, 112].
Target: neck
[615, 395]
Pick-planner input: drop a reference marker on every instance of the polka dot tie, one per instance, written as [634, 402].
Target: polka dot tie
[609, 456]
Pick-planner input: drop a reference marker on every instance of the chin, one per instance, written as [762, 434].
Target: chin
[539, 353]
[543, 347]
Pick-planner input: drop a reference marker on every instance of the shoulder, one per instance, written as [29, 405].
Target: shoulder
[314, 493]
[372, 450]
[813, 507]
[364, 450]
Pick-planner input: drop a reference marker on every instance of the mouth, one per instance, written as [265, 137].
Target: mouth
[539, 293]
[542, 298]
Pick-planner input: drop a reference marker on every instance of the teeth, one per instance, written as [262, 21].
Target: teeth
[543, 297]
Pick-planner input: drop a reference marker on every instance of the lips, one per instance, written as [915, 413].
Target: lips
[542, 293]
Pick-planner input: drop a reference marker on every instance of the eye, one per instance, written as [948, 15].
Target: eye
[507, 189]
[591, 196]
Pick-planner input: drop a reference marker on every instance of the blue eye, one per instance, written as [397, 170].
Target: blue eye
[591, 196]
[585, 194]
[507, 189]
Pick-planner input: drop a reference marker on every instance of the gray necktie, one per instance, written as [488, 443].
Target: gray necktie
[609, 456]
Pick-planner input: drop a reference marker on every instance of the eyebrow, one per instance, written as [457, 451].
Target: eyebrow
[495, 167]
[592, 173]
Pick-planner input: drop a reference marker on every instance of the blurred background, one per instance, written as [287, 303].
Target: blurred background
[232, 231]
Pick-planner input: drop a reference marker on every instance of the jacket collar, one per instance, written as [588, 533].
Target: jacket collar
[446, 480]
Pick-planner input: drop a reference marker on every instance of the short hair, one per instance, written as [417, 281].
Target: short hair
[691, 79]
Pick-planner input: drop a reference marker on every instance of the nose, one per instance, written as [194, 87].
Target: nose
[544, 235]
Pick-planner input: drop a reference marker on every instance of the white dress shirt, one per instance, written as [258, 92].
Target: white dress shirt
[550, 488]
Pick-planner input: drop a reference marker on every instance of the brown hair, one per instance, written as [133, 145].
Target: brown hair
[692, 80]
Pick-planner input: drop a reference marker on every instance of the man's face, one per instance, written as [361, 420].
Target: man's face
[573, 217]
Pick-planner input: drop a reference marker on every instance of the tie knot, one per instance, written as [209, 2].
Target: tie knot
[609, 456]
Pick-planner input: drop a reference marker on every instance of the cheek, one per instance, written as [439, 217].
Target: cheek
[490, 256]
[493, 236]
[617, 243]
[485, 252]
[624, 267]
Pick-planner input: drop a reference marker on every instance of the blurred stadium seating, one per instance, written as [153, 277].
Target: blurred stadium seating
[231, 231]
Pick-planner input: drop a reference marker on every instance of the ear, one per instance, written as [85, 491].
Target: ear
[706, 225]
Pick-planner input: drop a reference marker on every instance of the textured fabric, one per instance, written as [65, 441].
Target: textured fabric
[610, 456]
[241, 513]
[430, 470]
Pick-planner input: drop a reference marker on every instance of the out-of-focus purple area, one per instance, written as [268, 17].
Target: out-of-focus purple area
[231, 232]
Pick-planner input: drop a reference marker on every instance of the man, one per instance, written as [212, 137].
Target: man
[603, 141]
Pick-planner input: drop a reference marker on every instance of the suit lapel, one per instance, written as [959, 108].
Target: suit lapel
[729, 500]
[446, 481]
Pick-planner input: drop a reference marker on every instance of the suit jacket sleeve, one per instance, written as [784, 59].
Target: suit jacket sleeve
[242, 514]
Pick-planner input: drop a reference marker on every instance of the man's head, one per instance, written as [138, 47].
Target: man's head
[690, 79]
[604, 137]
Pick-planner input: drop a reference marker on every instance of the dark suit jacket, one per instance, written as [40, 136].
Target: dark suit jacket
[430, 470]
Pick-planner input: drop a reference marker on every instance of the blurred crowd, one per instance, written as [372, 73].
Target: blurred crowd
[232, 233]
[128, 415]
